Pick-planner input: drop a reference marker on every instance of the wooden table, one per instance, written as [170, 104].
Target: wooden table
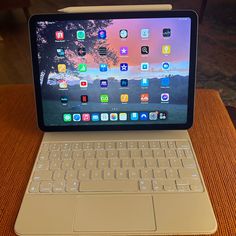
[213, 137]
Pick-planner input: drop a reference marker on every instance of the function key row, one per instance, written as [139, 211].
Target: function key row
[114, 145]
[113, 154]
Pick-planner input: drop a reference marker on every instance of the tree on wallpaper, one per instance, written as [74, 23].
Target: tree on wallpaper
[45, 32]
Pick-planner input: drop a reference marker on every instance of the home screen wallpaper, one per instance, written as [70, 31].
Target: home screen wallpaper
[114, 71]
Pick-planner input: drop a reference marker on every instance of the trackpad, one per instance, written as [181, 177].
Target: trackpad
[114, 213]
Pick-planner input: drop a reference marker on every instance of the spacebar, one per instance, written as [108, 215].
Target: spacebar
[109, 186]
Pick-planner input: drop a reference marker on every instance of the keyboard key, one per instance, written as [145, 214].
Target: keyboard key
[158, 153]
[87, 145]
[89, 154]
[109, 186]
[58, 186]
[115, 163]
[42, 165]
[143, 144]
[58, 175]
[79, 164]
[71, 174]
[54, 147]
[151, 163]
[65, 146]
[139, 163]
[182, 144]
[72, 186]
[132, 144]
[180, 153]
[91, 164]
[171, 144]
[108, 174]
[99, 145]
[55, 155]
[175, 163]
[159, 174]
[145, 185]
[188, 153]
[127, 163]
[154, 144]
[169, 185]
[172, 174]
[135, 153]
[157, 186]
[78, 154]
[55, 164]
[188, 173]
[110, 145]
[163, 163]
[112, 154]
[84, 174]
[170, 153]
[121, 145]
[163, 144]
[65, 155]
[183, 188]
[96, 174]
[102, 163]
[147, 153]
[34, 187]
[121, 174]
[44, 147]
[67, 164]
[100, 154]
[124, 154]
[146, 173]
[42, 175]
[133, 174]
[77, 146]
[189, 163]
[44, 155]
[45, 187]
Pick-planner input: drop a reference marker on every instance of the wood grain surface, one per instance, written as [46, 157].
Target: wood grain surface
[213, 136]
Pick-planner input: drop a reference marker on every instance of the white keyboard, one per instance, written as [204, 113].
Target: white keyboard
[117, 166]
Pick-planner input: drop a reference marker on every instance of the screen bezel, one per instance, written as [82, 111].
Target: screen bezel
[115, 15]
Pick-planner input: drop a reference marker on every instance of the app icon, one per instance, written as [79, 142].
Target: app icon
[165, 65]
[123, 33]
[59, 35]
[145, 50]
[82, 67]
[144, 97]
[84, 98]
[104, 117]
[95, 117]
[80, 34]
[113, 116]
[166, 32]
[61, 68]
[123, 51]
[123, 116]
[153, 115]
[67, 117]
[86, 117]
[145, 82]
[60, 52]
[83, 83]
[102, 51]
[144, 33]
[104, 98]
[124, 98]
[143, 116]
[63, 84]
[102, 34]
[103, 67]
[165, 49]
[165, 97]
[123, 66]
[162, 115]
[124, 83]
[64, 100]
[144, 66]
[76, 117]
[165, 82]
[134, 116]
[104, 83]
[81, 51]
